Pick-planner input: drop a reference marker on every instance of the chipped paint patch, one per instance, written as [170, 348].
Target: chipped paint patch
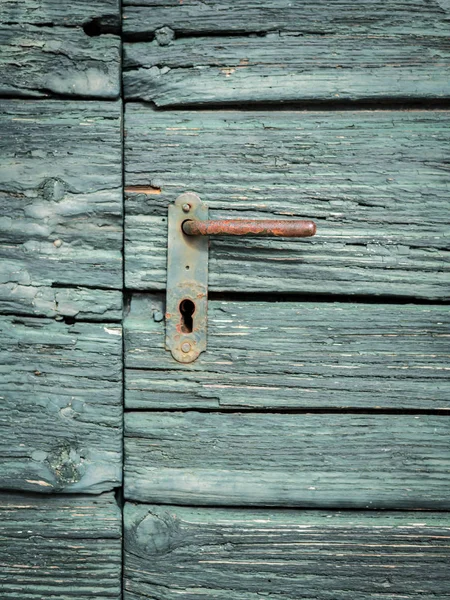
[39, 482]
[113, 330]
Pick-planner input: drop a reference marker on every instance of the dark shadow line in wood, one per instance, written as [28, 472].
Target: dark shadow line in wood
[442, 412]
[295, 297]
[375, 104]
[289, 508]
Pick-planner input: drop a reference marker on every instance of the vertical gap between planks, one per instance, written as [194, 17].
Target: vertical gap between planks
[388, 105]
[122, 139]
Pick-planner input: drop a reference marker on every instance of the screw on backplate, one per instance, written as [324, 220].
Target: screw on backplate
[186, 347]
[158, 316]
[186, 207]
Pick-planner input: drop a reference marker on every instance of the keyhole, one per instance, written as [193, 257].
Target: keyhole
[187, 309]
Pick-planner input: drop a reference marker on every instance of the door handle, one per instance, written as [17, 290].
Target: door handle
[187, 267]
[251, 227]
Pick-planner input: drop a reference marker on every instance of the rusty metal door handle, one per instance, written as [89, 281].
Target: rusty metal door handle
[251, 227]
[187, 267]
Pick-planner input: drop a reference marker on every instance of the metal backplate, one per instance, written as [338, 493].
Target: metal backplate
[187, 281]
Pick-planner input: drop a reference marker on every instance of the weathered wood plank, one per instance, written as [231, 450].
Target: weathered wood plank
[61, 406]
[55, 48]
[24, 299]
[376, 183]
[246, 16]
[293, 355]
[60, 547]
[185, 553]
[54, 12]
[286, 53]
[286, 68]
[40, 62]
[61, 209]
[308, 460]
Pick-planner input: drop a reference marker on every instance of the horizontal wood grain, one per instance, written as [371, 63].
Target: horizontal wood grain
[201, 72]
[246, 16]
[184, 553]
[306, 460]
[375, 182]
[55, 12]
[40, 62]
[61, 406]
[61, 209]
[60, 547]
[284, 355]
[54, 48]
[209, 52]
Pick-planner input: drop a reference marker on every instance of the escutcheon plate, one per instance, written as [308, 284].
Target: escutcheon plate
[187, 281]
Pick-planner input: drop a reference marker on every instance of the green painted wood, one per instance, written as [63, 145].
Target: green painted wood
[286, 68]
[192, 553]
[246, 16]
[41, 62]
[286, 52]
[61, 406]
[308, 460]
[376, 183]
[293, 355]
[61, 209]
[54, 12]
[52, 48]
[64, 548]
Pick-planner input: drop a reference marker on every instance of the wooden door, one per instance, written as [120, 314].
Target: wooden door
[305, 454]
[60, 300]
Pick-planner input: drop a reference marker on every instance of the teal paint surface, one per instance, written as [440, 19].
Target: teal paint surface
[219, 17]
[54, 49]
[61, 209]
[177, 552]
[375, 182]
[291, 355]
[304, 460]
[61, 408]
[214, 53]
[60, 547]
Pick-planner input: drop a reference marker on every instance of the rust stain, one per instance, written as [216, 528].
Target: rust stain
[256, 227]
[142, 189]
[228, 71]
